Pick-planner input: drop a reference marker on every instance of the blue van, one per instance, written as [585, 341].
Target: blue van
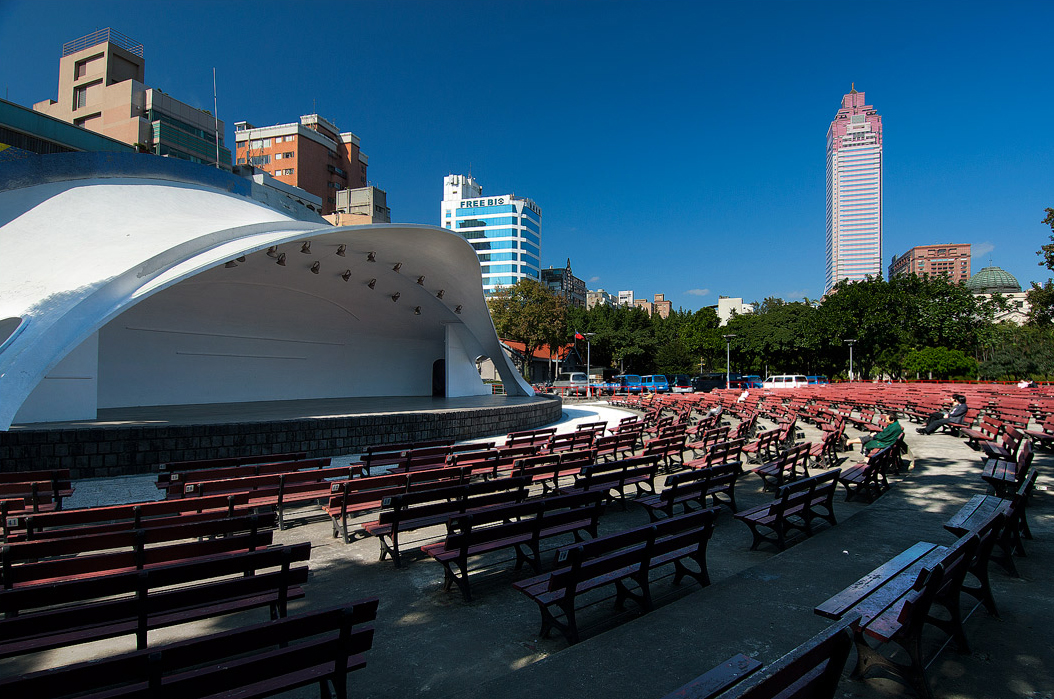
[655, 383]
[628, 383]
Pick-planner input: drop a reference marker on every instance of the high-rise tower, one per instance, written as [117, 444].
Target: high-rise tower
[504, 230]
[854, 192]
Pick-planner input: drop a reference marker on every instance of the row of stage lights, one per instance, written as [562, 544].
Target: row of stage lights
[371, 256]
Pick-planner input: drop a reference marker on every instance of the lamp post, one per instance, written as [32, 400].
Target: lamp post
[850, 343]
[728, 356]
[589, 388]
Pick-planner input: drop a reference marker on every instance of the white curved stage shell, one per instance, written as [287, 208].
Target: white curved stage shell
[115, 291]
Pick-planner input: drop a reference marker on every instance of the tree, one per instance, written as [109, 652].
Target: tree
[527, 312]
[940, 363]
[1041, 298]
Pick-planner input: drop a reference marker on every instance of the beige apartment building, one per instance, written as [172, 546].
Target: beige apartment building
[102, 88]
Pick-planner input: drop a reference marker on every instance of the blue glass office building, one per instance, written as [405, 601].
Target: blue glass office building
[505, 230]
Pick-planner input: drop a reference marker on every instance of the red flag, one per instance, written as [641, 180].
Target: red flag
[579, 336]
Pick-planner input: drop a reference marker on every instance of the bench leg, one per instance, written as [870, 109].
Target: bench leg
[642, 598]
[912, 675]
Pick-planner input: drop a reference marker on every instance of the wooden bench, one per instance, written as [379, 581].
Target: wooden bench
[612, 560]
[811, 670]
[987, 430]
[796, 507]
[1007, 449]
[108, 518]
[615, 446]
[59, 478]
[358, 496]
[54, 615]
[684, 490]
[765, 449]
[534, 438]
[178, 481]
[894, 603]
[1044, 436]
[569, 441]
[669, 449]
[789, 466]
[521, 526]
[547, 470]
[1005, 476]
[166, 469]
[248, 662]
[51, 560]
[379, 456]
[278, 490]
[420, 509]
[868, 478]
[720, 453]
[1015, 529]
[613, 477]
[708, 438]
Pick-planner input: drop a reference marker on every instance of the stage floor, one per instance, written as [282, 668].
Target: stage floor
[281, 410]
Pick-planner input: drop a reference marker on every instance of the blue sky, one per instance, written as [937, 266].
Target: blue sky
[674, 147]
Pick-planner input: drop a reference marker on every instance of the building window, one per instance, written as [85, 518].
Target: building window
[80, 96]
[259, 160]
[241, 161]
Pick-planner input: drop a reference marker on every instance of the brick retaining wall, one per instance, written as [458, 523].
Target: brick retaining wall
[119, 451]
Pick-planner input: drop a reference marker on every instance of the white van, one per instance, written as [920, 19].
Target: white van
[785, 381]
[571, 384]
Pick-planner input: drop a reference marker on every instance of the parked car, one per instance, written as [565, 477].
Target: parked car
[752, 381]
[785, 381]
[628, 383]
[821, 380]
[571, 384]
[655, 383]
[704, 383]
[681, 383]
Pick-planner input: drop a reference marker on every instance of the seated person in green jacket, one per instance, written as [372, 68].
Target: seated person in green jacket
[883, 439]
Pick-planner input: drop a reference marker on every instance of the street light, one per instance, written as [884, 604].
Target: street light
[728, 355]
[850, 343]
[586, 336]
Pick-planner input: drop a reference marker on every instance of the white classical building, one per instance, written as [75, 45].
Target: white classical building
[132, 280]
[504, 230]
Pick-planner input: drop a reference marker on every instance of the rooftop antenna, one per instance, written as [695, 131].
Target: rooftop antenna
[216, 116]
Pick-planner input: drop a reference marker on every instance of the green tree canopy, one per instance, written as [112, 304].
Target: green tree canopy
[527, 312]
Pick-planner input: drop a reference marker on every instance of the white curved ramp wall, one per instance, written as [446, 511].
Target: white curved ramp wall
[152, 288]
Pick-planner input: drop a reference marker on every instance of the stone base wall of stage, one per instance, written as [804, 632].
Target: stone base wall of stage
[119, 451]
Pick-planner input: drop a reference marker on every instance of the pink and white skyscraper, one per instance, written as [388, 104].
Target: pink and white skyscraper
[854, 192]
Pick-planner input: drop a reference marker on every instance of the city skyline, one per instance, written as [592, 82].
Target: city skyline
[688, 165]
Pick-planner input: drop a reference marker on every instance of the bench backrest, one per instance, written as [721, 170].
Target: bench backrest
[282, 648]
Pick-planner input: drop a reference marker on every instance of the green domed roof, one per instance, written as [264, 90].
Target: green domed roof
[993, 280]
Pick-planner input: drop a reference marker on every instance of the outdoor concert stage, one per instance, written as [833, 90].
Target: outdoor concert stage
[135, 440]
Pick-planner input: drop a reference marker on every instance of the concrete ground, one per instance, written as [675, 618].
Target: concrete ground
[429, 643]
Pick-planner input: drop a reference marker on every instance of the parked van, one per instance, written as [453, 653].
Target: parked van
[681, 383]
[785, 381]
[628, 383]
[655, 383]
[571, 384]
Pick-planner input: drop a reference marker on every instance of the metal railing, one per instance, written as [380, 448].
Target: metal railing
[100, 37]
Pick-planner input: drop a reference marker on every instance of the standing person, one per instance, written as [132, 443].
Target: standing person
[881, 440]
[952, 417]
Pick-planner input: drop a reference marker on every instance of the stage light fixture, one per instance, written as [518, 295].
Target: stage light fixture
[371, 257]
[421, 280]
[417, 310]
[458, 310]
[397, 267]
[395, 296]
[240, 259]
[372, 283]
[306, 247]
[230, 264]
[439, 294]
[315, 267]
[347, 275]
[281, 259]
[341, 249]
[272, 251]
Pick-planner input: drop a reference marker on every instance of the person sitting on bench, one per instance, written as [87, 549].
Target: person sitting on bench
[883, 439]
[952, 417]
